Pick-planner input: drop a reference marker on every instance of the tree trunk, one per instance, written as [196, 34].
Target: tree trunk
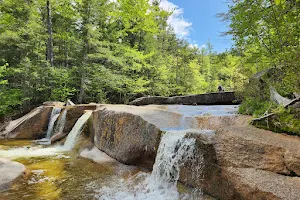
[49, 54]
[82, 90]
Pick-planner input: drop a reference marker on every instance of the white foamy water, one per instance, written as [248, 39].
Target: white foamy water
[174, 150]
[54, 115]
[61, 123]
[76, 130]
[39, 151]
[29, 152]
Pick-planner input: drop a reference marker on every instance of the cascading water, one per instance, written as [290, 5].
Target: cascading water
[61, 123]
[76, 130]
[54, 115]
[174, 150]
[37, 151]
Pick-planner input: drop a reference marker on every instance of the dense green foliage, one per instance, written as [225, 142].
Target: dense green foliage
[266, 35]
[100, 51]
[111, 51]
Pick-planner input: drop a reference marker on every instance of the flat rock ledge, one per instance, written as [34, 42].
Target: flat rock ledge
[9, 171]
[220, 98]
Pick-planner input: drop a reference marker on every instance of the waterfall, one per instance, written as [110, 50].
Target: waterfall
[50, 151]
[54, 115]
[76, 130]
[61, 123]
[174, 150]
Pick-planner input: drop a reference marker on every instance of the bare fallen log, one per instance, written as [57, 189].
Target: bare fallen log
[262, 117]
[277, 98]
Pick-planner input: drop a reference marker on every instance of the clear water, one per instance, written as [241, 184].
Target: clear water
[67, 176]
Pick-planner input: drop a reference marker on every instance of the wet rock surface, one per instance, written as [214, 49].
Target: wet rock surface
[9, 171]
[34, 124]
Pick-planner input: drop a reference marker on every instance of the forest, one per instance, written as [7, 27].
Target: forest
[107, 51]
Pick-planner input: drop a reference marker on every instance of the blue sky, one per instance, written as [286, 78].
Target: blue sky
[196, 21]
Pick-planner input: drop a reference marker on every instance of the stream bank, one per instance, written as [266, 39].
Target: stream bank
[229, 159]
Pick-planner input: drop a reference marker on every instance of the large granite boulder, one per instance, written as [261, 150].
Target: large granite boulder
[31, 126]
[125, 136]
[9, 171]
[243, 162]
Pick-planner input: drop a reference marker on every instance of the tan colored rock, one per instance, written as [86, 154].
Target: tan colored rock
[57, 137]
[9, 171]
[292, 161]
[31, 126]
[247, 146]
[250, 183]
[217, 122]
[161, 118]
[125, 136]
[74, 113]
[244, 162]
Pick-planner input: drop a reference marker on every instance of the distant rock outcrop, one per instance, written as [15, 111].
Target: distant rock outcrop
[221, 98]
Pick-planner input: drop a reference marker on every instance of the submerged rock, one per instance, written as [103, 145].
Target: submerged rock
[96, 155]
[9, 171]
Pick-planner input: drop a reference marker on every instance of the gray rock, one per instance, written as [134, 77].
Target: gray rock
[9, 171]
[220, 98]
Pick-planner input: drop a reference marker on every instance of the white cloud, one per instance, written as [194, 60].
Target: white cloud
[194, 46]
[203, 46]
[176, 21]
